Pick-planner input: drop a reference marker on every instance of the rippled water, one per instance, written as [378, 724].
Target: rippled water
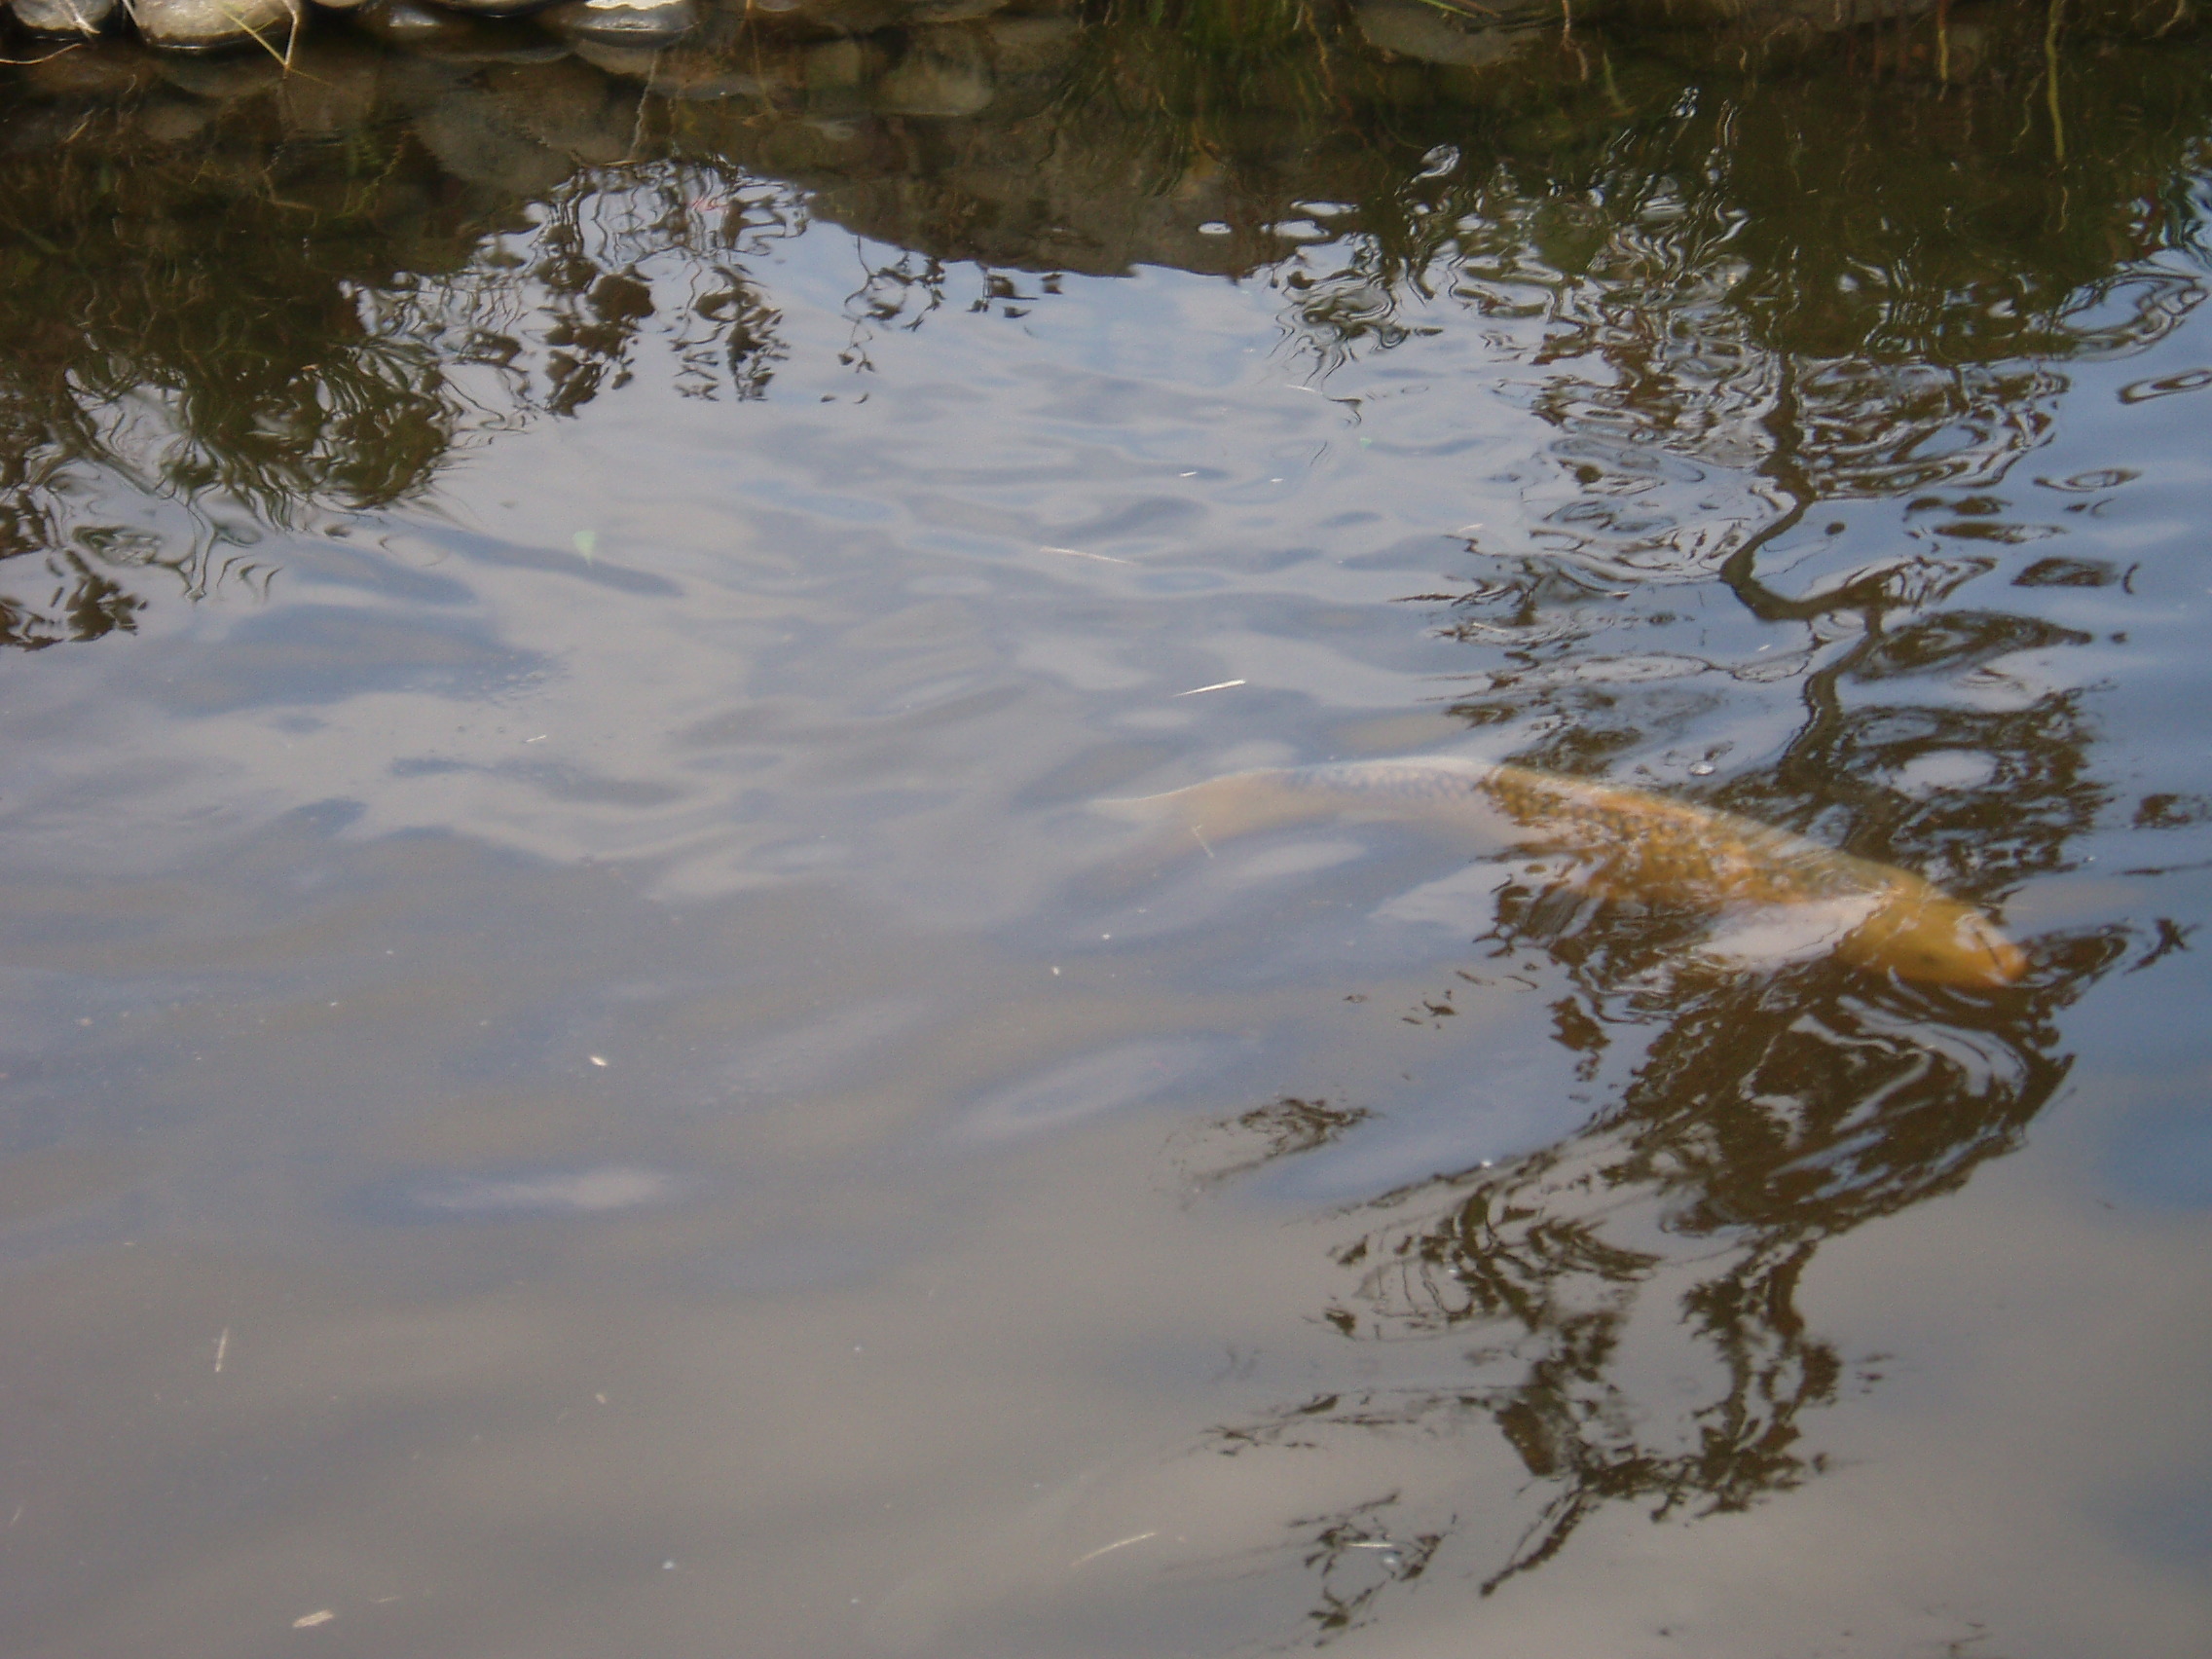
[581, 1076]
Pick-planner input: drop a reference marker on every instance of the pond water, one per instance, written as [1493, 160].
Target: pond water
[581, 1076]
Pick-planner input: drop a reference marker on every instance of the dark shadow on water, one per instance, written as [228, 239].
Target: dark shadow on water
[1763, 1117]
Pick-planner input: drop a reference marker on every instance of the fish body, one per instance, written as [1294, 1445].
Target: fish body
[1624, 845]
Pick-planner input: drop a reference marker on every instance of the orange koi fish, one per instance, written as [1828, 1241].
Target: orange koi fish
[1623, 845]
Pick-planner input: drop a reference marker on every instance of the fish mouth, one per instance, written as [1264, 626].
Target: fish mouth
[2010, 960]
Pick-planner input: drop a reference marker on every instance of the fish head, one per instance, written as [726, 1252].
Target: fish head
[1928, 936]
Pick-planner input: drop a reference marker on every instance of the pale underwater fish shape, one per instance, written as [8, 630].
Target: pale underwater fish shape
[1775, 887]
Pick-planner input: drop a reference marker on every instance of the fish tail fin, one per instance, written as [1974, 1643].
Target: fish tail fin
[1218, 809]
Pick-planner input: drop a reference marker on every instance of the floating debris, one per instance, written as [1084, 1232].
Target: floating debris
[1117, 1544]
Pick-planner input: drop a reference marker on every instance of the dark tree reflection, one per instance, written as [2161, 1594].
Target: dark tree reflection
[1745, 1117]
[1761, 1115]
[1726, 376]
[283, 319]
[256, 296]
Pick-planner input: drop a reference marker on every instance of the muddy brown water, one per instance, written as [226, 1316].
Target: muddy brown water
[579, 1079]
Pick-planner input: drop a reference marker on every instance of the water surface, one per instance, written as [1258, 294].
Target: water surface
[580, 1077]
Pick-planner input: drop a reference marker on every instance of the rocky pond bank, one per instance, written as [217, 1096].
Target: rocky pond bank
[1464, 33]
[290, 249]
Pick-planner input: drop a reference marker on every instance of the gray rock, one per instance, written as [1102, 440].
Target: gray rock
[700, 74]
[492, 8]
[168, 120]
[435, 32]
[209, 25]
[402, 22]
[473, 139]
[1024, 45]
[1808, 17]
[231, 78]
[944, 74]
[951, 11]
[1431, 36]
[334, 87]
[846, 17]
[567, 106]
[107, 70]
[38, 130]
[63, 17]
[623, 62]
[834, 65]
[623, 22]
